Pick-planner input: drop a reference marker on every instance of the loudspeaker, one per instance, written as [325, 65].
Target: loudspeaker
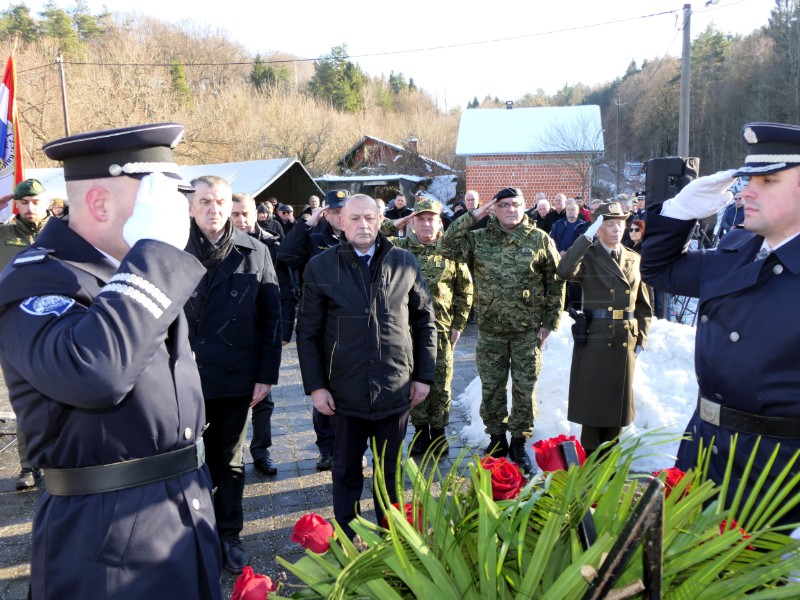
[665, 177]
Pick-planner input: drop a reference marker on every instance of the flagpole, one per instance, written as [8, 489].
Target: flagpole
[60, 61]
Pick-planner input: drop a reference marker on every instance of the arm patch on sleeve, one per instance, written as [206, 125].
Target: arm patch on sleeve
[40, 306]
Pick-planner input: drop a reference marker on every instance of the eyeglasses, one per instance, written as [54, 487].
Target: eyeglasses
[635, 229]
[507, 205]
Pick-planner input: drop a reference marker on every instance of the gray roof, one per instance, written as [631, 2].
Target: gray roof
[530, 130]
[249, 177]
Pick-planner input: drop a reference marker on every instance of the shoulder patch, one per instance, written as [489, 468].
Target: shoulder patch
[17, 242]
[35, 256]
[40, 306]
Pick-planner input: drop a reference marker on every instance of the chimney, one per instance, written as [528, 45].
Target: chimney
[509, 104]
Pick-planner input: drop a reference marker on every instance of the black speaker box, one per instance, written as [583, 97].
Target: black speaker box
[665, 177]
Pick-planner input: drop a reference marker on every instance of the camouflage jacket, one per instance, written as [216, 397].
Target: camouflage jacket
[516, 287]
[15, 237]
[449, 283]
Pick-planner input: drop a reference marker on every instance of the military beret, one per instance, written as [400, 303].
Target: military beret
[427, 204]
[133, 151]
[336, 198]
[285, 208]
[609, 210]
[29, 187]
[509, 192]
[772, 147]
[262, 208]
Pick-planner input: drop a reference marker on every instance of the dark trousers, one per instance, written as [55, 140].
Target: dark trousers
[224, 439]
[324, 431]
[351, 438]
[592, 437]
[288, 313]
[262, 428]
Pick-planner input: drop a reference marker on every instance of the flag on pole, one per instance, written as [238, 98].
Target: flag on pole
[11, 171]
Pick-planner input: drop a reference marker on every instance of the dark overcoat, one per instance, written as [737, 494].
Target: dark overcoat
[747, 335]
[99, 370]
[601, 377]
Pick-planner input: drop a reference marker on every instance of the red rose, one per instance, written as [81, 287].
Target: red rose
[409, 510]
[313, 533]
[725, 526]
[507, 478]
[252, 586]
[673, 475]
[548, 456]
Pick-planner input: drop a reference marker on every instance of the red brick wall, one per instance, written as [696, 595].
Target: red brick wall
[530, 172]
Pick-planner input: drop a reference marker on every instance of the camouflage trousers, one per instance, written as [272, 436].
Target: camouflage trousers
[435, 410]
[494, 355]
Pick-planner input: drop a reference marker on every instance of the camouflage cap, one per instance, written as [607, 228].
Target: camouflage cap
[427, 205]
[29, 187]
[609, 210]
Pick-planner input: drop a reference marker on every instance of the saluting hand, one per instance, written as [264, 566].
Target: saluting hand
[323, 401]
[160, 213]
[316, 215]
[5, 200]
[483, 210]
[419, 391]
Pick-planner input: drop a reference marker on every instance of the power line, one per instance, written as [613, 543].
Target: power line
[374, 54]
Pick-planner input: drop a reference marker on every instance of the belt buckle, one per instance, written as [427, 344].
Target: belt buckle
[617, 315]
[200, 454]
[709, 411]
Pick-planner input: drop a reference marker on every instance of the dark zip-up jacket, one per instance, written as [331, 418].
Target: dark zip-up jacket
[366, 350]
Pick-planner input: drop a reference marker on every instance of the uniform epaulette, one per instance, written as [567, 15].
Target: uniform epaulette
[35, 256]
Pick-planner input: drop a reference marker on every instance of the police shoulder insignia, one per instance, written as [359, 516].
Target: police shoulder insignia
[30, 257]
[16, 242]
[40, 306]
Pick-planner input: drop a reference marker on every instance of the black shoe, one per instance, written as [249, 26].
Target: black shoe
[28, 478]
[234, 556]
[421, 441]
[325, 462]
[498, 446]
[439, 441]
[518, 453]
[266, 465]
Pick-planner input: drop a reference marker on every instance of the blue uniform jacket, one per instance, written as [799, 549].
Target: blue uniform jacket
[99, 370]
[747, 334]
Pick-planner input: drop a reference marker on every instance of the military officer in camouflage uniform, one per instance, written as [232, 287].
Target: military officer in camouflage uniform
[450, 286]
[15, 236]
[518, 302]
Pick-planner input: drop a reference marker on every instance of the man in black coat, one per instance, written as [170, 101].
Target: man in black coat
[100, 374]
[322, 230]
[366, 341]
[235, 331]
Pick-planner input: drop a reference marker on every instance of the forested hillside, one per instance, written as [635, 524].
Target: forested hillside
[123, 70]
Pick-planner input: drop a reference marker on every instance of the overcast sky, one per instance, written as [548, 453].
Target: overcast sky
[457, 51]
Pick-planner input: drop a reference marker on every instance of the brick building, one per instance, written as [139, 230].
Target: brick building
[548, 150]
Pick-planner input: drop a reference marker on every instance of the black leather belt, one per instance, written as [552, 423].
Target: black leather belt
[616, 315]
[738, 420]
[126, 474]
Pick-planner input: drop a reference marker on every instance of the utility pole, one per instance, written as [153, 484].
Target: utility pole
[60, 61]
[618, 157]
[686, 83]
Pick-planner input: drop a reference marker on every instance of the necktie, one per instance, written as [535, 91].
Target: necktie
[365, 271]
[615, 256]
[761, 254]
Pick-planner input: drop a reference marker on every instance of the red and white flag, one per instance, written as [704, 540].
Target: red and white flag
[11, 171]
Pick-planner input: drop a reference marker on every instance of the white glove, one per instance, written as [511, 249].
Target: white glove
[593, 229]
[161, 213]
[703, 197]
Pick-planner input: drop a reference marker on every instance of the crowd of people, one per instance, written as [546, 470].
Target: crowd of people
[157, 313]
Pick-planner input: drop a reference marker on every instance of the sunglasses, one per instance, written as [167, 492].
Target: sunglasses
[635, 229]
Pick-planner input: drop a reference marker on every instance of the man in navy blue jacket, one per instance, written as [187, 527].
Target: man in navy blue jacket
[748, 287]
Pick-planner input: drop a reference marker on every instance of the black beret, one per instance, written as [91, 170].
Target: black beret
[509, 192]
[772, 147]
[133, 151]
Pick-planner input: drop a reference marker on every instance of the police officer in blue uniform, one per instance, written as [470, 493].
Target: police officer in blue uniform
[105, 387]
[746, 346]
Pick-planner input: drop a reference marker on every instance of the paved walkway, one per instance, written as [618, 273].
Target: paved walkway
[271, 505]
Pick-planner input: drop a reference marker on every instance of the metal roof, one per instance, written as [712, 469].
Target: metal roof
[530, 130]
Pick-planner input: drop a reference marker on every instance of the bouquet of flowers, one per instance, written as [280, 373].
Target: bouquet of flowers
[481, 530]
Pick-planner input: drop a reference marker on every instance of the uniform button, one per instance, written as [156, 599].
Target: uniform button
[714, 449]
[610, 291]
[372, 362]
[196, 504]
[718, 396]
[609, 345]
[187, 433]
[777, 269]
[234, 293]
[627, 292]
[366, 311]
[611, 327]
[199, 365]
[704, 319]
[194, 294]
[610, 308]
[624, 344]
[202, 341]
[734, 336]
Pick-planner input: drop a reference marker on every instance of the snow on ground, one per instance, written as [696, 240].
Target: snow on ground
[664, 385]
